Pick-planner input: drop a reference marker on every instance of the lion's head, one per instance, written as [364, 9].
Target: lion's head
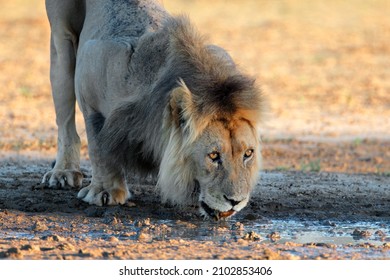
[213, 153]
[211, 127]
[226, 159]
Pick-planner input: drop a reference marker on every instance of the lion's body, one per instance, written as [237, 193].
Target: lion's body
[156, 100]
[110, 47]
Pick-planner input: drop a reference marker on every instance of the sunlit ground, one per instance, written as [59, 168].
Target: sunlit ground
[324, 67]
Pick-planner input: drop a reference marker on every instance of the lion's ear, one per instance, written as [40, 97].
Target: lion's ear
[181, 105]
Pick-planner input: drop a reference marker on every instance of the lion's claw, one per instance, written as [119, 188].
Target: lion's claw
[63, 178]
[105, 198]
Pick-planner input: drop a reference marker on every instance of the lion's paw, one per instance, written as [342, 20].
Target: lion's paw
[100, 196]
[61, 178]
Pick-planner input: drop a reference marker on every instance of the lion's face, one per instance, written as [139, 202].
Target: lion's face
[212, 155]
[226, 158]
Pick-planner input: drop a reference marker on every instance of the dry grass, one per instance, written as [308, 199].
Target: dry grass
[324, 66]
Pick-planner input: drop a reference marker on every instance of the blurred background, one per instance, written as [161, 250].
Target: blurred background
[324, 67]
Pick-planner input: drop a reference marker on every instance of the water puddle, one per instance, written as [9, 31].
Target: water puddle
[269, 231]
[279, 231]
[337, 233]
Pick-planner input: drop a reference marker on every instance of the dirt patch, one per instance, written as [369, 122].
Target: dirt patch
[356, 156]
[41, 223]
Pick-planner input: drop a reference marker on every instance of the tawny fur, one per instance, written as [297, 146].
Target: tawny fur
[157, 99]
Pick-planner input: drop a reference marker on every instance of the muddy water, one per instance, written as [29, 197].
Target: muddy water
[281, 231]
[272, 231]
[346, 237]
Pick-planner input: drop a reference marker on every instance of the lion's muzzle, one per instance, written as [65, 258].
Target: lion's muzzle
[216, 214]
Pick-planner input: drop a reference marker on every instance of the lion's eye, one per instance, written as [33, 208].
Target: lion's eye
[214, 156]
[248, 153]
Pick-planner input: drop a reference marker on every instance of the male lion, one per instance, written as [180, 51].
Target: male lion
[156, 99]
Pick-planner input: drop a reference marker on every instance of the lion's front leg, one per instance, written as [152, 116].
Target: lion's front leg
[108, 186]
[66, 171]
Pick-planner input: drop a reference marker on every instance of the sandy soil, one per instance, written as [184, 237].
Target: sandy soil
[325, 70]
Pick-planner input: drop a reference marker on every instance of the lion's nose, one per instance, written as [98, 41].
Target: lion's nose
[232, 201]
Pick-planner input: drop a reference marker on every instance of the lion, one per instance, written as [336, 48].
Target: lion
[157, 100]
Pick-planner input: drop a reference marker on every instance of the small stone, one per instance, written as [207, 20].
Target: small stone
[29, 247]
[13, 251]
[361, 233]
[113, 239]
[66, 246]
[242, 242]
[325, 245]
[53, 237]
[274, 236]
[128, 234]
[141, 223]
[238, 226]
[329, 223]
[108, 254]
[144, 236]
[44, 249]
[380, 233]
[111, 221]
[39, 226]
[251, 236]
[84, 254]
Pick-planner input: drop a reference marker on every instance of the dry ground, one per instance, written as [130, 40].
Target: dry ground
[324, 67]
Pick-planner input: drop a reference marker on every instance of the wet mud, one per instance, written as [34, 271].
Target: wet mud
[292, 215]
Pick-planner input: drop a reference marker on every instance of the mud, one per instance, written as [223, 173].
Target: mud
[292, 215]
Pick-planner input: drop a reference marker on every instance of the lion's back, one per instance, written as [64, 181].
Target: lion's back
[83, 20]
[121, 19]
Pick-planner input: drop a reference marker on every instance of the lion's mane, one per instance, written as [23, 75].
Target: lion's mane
[153, 131]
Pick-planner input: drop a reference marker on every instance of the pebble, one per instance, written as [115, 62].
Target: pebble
[66, 246]
[53, 237]
[29, 247]
[144, 222]
[380, 233]
[128, 234]
[113, 239]
[12, 252]
[238, 226]
[251, 236]
[108, 254]
[274, 236]
[144, 236]
[361, 233]
[39, 226]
